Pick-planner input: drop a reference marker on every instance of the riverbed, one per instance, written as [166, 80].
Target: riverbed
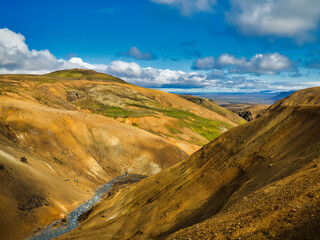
[61, 227]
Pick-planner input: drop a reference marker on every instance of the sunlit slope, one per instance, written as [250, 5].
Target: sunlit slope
[96, 144]
[257, 181]
[34, 193]
[69, 154]
[183, 123]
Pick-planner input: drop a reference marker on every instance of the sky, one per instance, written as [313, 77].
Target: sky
[182, 46]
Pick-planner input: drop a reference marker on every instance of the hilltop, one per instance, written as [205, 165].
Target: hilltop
[259, 180]
[85, 74]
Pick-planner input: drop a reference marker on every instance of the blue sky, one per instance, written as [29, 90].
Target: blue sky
[173, 45]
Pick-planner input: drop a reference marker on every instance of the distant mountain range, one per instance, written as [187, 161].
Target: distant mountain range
[264, 97]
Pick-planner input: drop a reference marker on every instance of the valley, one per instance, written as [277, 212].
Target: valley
[66, 133]
[256, 181]
[160, 120]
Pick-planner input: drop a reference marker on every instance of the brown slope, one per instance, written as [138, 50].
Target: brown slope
[308, 97]
[69, 154]
[257, 181]
[250, 111]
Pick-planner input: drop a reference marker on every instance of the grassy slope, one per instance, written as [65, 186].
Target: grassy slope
[257, 181]
[207, 103]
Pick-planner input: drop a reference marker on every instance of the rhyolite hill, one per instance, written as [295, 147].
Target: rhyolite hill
[65, 133]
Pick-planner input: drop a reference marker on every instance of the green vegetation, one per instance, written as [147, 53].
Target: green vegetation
[209, 104]
[173, 130]
[111, 111]
[207, 128]
[139, 106]
[42, 98]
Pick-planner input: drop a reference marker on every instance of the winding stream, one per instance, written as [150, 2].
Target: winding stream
[51, 231]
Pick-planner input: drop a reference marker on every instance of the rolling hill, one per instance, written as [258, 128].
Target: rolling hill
[259, 180]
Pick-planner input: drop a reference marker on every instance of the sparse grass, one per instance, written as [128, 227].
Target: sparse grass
[42, 98]
[111, 111]
[173, 130]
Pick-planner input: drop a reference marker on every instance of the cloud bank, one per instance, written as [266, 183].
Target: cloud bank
[259, 64]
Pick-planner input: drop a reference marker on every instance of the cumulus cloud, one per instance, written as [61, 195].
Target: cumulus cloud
[152, 77]
[259, 64]
[188, 7]
[16, 57]
[136, 53]
[284, 18]
[125, 69]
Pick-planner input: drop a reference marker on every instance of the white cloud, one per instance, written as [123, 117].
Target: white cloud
[204, 63]
[79, 63]
[259, 64]
[152, 77]
[125, 69]
[16, 57]
[188, 7]
[284, 18]
[216, 80]
[136, 53]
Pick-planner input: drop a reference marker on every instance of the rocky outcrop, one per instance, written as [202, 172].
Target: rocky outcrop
[75, 95]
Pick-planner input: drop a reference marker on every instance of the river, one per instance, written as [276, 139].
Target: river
[71, 222]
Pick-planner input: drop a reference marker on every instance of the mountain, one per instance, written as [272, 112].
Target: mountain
[65, 133]
[259, 180]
